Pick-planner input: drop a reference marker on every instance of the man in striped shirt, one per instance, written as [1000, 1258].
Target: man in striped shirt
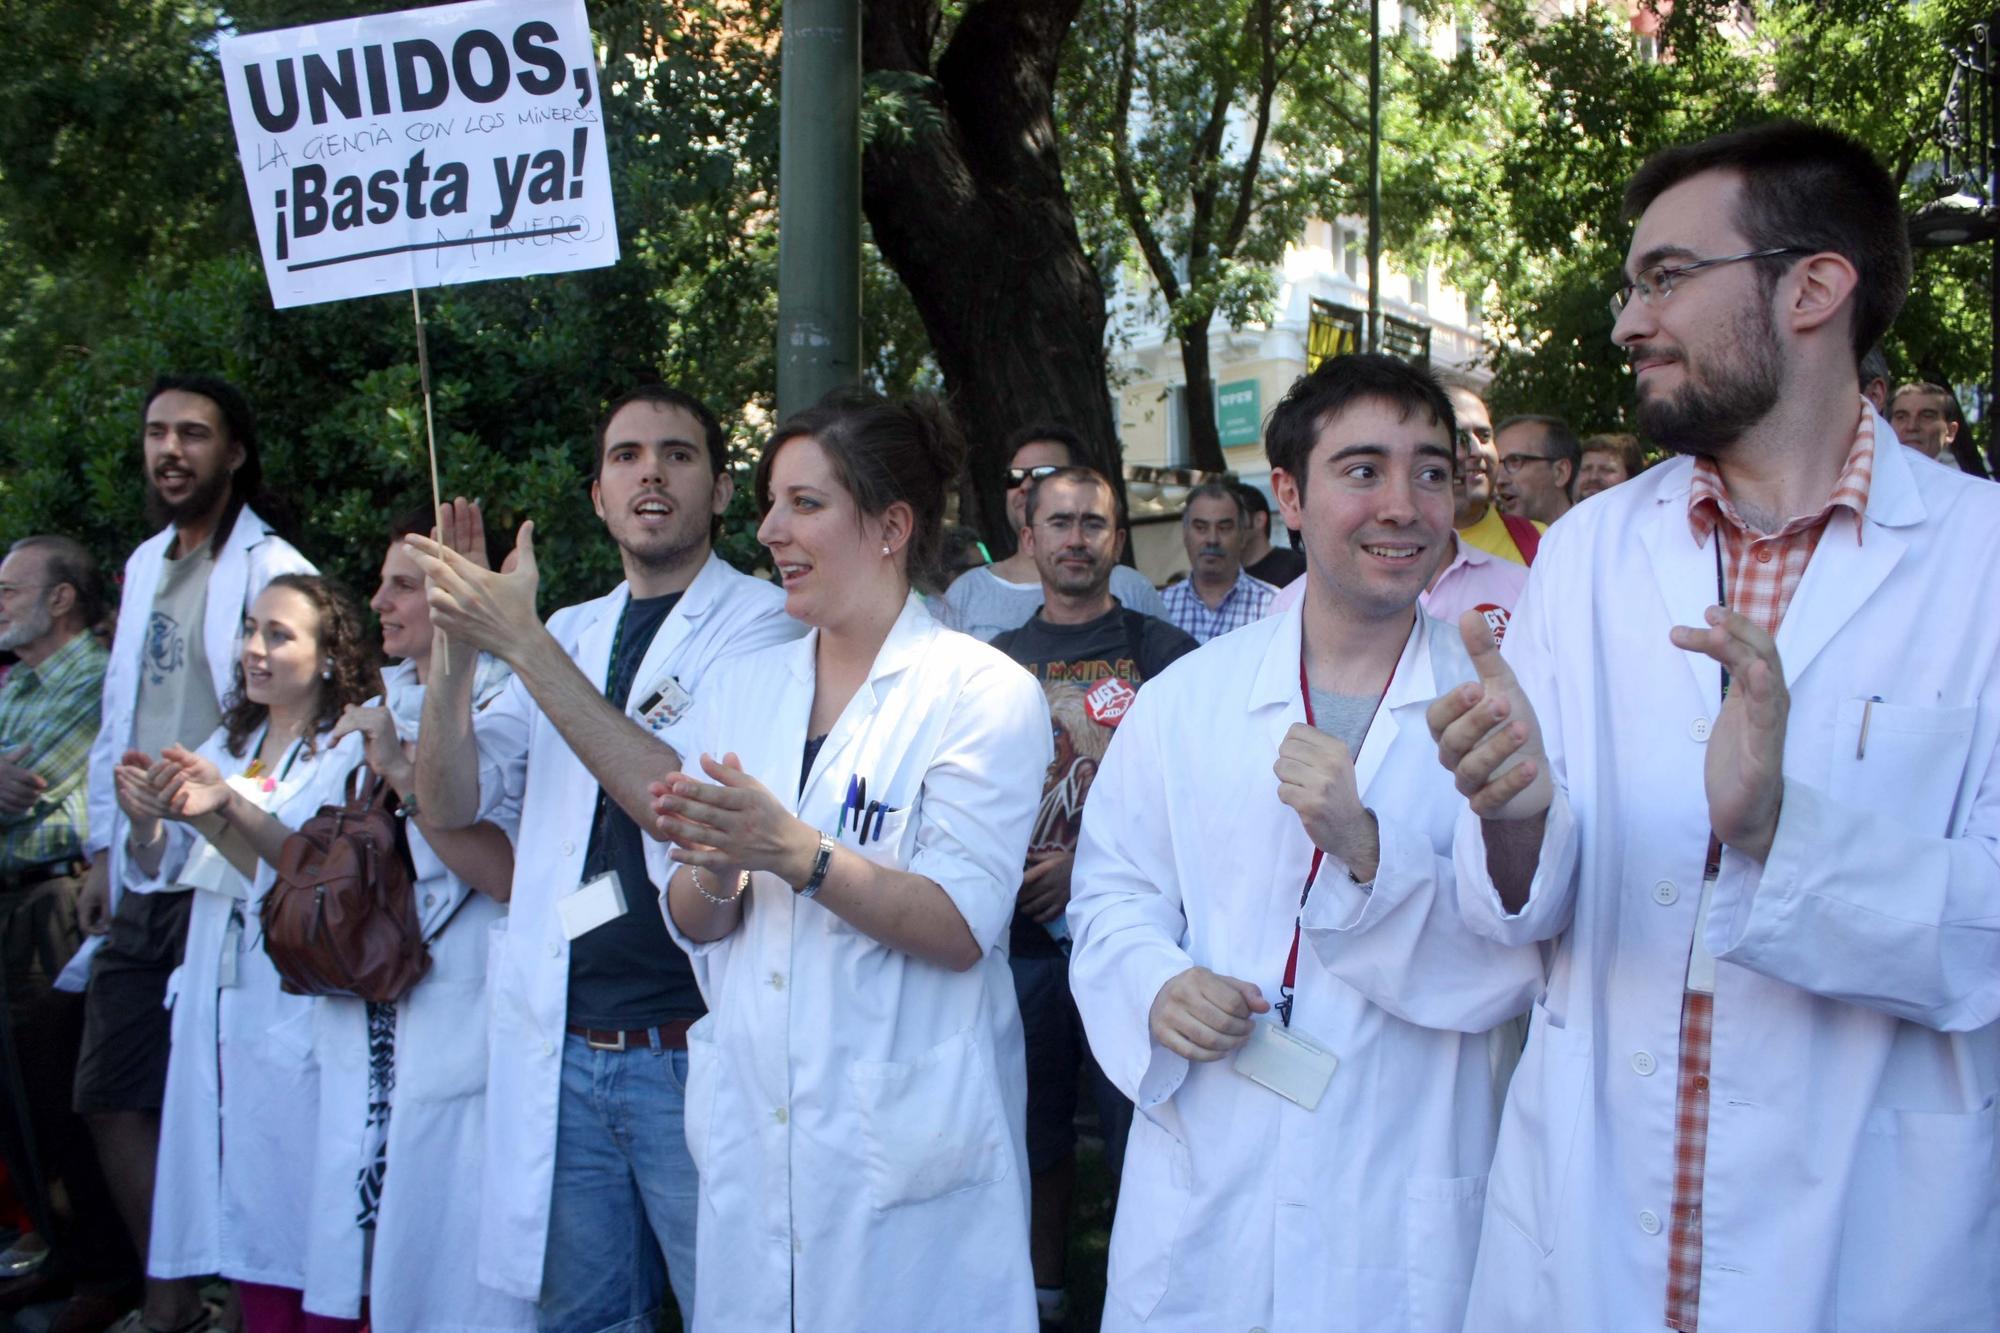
[51, 598]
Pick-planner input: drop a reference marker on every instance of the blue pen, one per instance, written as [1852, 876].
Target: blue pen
[846, 805]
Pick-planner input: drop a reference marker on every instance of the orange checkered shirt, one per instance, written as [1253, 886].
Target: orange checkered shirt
[1762, 573]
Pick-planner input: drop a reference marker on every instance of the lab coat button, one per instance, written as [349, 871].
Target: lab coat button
[777, 981]
[569, 848]
[1665, 894]
[1642, 1062]
[430, 900]
[781, 1115]
[548, 1048]
[1698, 730]
[1649, 1222]
[555, 950]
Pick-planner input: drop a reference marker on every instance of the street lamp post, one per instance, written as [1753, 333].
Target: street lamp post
[1966, 214]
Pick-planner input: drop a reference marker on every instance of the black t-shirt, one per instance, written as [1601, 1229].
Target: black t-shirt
[629, 973]
[1279, 566]
[1091, 673]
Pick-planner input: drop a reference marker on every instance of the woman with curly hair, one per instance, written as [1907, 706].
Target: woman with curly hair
[242, 1087]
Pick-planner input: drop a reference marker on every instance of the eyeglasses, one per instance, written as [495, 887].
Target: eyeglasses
[1512, 463]
[1657, 283]
[1093, 526]
[1017, 475]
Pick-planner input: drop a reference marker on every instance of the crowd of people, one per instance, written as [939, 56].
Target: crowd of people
[1546, 892]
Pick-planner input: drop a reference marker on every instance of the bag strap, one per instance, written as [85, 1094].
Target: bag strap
[1527, 538]
[1135, 638]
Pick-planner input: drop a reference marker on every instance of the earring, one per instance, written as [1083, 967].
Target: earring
[326, 673]
[885, 548]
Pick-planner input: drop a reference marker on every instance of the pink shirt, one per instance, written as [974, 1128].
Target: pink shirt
[1475, 579]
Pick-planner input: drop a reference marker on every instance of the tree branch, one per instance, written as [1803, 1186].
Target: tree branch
[1267, 87]
[1129, 203]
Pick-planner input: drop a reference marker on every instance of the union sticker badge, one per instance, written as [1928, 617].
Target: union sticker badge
[1107, 701]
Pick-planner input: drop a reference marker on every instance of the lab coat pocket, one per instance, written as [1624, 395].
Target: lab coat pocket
[1441, 1239]
[931, 1126]
[1908, 762]
[698, 1105]
[885, 839]
[1531, 1161]
[289, 1038]
[441, 1047]
[1921, 1225]
[1152, 1206]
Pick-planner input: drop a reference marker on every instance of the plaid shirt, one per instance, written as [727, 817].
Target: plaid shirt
[53, 710]
[1761, 574]
[1249, 600]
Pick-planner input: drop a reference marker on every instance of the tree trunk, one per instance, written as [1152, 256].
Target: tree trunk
[1204, 440]
[971, 212]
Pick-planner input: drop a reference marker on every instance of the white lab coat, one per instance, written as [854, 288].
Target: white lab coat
[1851, 1175]
[423, 1274]
[1239, 1209]
[234, 1190]
[523, 758]
[857, 1115]
[251, 558]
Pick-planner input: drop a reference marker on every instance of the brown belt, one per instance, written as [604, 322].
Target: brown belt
[673, 1036]
[29, 877]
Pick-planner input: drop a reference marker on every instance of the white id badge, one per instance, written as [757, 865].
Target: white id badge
[1701, 963]
[595, 902]
[665, 704]
[1289, 1063]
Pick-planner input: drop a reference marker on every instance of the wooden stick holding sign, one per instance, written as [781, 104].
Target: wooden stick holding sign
[424, 380]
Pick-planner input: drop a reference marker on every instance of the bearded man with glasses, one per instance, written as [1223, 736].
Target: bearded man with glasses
[1738, 773]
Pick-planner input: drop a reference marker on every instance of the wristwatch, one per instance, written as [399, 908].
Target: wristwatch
[817, 879]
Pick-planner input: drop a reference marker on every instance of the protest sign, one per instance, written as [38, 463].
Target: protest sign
[422, 148]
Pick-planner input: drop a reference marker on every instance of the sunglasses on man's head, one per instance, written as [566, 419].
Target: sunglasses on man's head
[1017, 475]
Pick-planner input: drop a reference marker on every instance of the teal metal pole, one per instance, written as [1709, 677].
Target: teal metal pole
[819, 202]
[1374, 341]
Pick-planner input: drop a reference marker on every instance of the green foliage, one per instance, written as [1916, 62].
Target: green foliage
[168, 280]
[1529, 201]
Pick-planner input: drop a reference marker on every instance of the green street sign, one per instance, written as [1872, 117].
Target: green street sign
[1239, 412]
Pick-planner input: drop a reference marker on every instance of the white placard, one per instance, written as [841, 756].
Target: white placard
[422, 148]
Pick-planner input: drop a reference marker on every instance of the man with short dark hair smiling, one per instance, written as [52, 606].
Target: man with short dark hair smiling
[1267, 957]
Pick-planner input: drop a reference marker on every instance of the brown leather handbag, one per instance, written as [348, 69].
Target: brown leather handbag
[342, 917]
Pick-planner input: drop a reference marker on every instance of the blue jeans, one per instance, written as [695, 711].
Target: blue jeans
[622, 1212]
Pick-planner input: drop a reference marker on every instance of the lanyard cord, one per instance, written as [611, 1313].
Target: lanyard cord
[1290, 983]
[1713, 866]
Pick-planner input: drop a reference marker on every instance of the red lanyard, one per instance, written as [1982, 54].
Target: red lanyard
[1284, 1005]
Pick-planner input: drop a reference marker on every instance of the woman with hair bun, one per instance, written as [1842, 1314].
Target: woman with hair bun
[847, 851]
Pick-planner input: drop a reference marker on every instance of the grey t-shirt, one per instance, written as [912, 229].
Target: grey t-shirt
[983, 604]
[177, 703]
[1345, 717]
